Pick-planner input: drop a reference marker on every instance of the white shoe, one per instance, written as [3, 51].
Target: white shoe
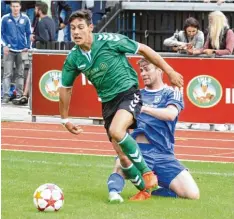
[115, 198]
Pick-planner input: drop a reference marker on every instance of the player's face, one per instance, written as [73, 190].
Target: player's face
[150, 74]
[15, 8]
[191, 31]
[80, 31]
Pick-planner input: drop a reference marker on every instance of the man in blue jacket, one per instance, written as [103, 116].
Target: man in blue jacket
[16, 31]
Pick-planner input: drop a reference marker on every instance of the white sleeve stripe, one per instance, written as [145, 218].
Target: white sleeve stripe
[66, 86]
[138, 47]
[177, 95]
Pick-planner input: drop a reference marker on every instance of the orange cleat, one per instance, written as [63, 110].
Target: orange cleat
[151, 180]
[140, 196]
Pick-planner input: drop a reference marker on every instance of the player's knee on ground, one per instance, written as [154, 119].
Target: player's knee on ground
[185, 186]
[193, 194]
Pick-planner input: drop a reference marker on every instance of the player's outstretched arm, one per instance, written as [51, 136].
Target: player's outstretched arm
[167, 114]
[152, 56]
[64, 102]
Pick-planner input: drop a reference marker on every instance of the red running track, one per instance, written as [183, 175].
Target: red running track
[190, 145]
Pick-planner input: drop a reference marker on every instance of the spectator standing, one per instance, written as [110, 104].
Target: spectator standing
[220, 38]
[45, 29]
[188, 39]
[28, 8]
[54, 10]
[15, 31]
[5, 7]
[98, 9]
[75, 5]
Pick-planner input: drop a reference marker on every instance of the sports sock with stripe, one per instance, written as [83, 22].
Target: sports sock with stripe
[133, 174]
[131, 149]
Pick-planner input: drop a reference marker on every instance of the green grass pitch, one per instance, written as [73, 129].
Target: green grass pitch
[83, 181]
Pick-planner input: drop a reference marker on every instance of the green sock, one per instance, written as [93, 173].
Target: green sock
[131, 149]
[133, 174]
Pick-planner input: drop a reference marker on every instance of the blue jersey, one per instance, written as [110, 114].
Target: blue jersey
[158, 132]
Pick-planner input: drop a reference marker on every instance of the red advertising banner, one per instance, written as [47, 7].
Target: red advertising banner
[208, 88]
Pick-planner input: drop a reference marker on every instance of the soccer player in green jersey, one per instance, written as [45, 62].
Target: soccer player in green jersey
[101, 57]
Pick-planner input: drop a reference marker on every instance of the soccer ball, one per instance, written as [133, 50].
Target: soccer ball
[48, 197]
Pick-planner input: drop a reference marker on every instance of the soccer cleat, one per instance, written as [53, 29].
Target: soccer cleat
[115, 198]
[140, 196]
[151, 181]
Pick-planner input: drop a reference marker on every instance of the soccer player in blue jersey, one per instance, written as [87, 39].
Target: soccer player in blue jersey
[155, 136]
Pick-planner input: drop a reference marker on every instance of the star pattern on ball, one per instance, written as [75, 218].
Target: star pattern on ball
[51, 187]
[38, 195]
[62, 196]
[50, 202]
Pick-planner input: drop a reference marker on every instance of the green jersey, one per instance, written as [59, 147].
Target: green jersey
[105, 65]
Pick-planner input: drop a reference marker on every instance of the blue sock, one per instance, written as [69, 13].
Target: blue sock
[115, 183]
[164, 192]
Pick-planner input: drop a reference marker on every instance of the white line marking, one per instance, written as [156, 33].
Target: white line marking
[231, 153]
[61, 147]
[107, 155]
[65, 153]
[94, 141]
[88, 149]
[50, 130]
[102, 166]
[213, 173]
[205, 147]
[197, 155]
[53, 139]
[178, 138]
[204, 139]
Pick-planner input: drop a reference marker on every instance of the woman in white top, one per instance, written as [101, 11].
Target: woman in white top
[187, 39]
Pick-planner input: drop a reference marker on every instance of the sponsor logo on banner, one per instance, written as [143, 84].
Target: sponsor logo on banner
[229, 96]
[49, 85]
[204, 91]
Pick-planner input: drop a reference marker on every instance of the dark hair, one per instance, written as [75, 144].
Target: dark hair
[42, 6]
[16, 2]
[191, 22]
[82, 14]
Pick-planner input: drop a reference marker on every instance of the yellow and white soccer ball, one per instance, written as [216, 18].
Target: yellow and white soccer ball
[48, 197]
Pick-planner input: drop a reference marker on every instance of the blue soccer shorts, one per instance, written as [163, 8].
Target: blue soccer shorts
[164, 165]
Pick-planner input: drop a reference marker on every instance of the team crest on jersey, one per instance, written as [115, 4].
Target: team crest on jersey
[157, 99]
[21, 21]
[50, 84]
[204, 91]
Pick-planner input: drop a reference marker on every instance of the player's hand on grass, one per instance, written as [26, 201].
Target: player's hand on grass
[176, 79]
[74, 129]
